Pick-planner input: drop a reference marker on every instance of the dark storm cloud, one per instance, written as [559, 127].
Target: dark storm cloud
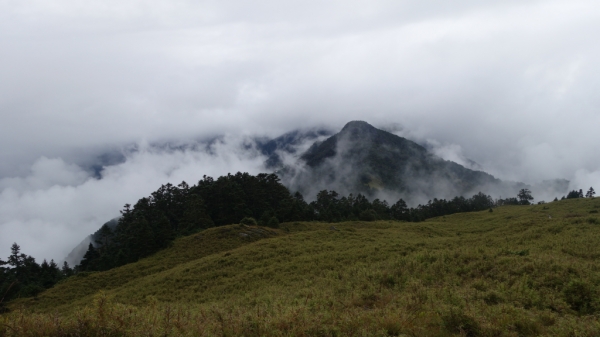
[510, 85]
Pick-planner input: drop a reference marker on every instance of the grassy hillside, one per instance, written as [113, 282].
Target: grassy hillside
[516, 271]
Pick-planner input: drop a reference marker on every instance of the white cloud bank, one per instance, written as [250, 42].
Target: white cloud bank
[511, 85]
[53, 208]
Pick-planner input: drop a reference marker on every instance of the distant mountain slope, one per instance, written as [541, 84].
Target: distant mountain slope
[363, 159]
[289, 143]
[78, 252]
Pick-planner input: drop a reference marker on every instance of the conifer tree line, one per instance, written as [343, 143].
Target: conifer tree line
[21, 276]
[172, 211]
[574, 194]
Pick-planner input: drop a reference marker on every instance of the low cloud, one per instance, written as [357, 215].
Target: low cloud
[58, 204]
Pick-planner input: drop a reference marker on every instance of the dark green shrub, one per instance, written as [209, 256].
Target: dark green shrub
[388, 281]
[459, 323]
[367, 215]
[248, 221]
[492, 298]
[580, 296]
[392, 327]
[30, 290]
[526, 327]
[547, 319]
[265, 218]
[273, 222]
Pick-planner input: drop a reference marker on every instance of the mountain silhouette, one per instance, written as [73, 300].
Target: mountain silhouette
[364, 159]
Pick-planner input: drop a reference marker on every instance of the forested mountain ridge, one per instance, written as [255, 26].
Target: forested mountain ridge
[172, 211]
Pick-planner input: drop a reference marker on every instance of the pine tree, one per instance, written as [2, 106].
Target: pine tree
[66, 270]
[140, 239]
[382, 209]
[163, 233]
[273, 222]
[195, 216]
[89, 261]
[49, 274]
[368, 215]
[400, 211]
[524, 196]
[105, 235]
[15, 259]
[590, 193]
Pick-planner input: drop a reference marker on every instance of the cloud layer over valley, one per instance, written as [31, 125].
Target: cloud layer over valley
[511, 86]
[51, 209]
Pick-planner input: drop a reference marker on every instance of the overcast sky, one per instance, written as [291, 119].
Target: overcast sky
[512, 85]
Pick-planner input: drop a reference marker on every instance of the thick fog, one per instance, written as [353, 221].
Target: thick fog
[509, 85]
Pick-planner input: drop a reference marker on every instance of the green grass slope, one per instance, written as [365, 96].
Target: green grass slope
[77, 291]
[516, 271]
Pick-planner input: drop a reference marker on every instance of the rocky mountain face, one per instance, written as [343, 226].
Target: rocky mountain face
[363, 159]
[289, 145]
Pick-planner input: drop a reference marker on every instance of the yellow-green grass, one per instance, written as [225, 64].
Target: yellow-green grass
[516, 271]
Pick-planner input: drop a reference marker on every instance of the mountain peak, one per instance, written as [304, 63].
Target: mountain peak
[356, 139]
[361, 158]
[358, 130]
[357, 125]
